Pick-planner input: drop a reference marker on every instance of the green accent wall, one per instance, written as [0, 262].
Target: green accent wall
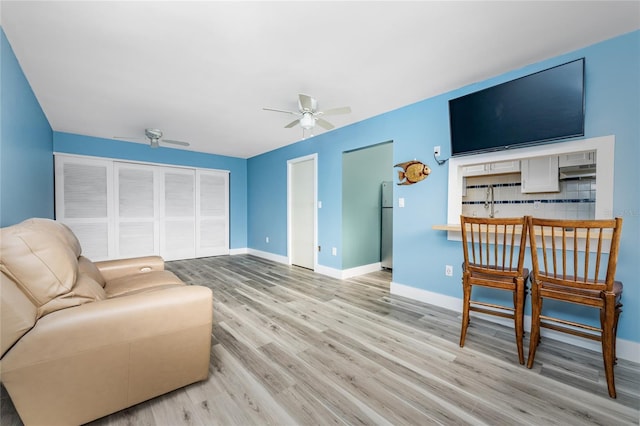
[363, 172]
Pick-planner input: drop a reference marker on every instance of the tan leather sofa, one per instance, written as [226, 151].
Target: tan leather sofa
[81, 340]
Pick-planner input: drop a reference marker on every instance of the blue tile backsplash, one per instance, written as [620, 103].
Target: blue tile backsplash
[576, 199]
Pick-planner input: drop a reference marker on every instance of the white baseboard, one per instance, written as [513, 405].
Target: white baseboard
[233, 252]
[625, 349]
[324, 270]
[269, 256]
[360, 270]
[330, 272]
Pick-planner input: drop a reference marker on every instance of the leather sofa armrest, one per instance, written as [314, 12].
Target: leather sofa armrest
[112, 269]
[112, 322]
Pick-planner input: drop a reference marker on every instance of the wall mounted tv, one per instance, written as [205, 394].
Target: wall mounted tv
[537, 108]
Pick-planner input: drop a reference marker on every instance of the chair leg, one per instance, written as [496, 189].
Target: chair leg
[534, 335]
[615, 332]
[608, 341]
[466, 290]
[519, 296]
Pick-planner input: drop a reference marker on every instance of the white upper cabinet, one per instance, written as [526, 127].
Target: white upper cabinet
[492, 168]
[540, 174]
[577, 159]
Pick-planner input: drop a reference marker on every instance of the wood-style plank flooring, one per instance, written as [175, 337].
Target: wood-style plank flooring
[292, 347]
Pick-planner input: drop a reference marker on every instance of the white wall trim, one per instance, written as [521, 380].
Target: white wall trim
[269, 256]
[360, 270]
[625, 349]
[234, 252]
[330, 272]
[320, 269]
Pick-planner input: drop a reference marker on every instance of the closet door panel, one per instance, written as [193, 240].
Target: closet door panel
[178, 214]
[136, 210]
[212, 215]
[84, 194]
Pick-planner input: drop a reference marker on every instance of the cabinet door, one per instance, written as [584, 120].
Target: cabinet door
[84, 191]
[540, 174]
[504, 167]
[577, 158]
[212, 213]
[475, 170]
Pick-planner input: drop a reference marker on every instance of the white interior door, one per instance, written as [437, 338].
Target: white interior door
[302, 203]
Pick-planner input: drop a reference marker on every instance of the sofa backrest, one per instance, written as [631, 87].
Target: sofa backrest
[40, 258]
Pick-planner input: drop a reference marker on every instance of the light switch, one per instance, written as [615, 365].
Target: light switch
[400, 202]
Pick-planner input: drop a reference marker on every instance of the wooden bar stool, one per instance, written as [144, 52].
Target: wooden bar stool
[494, 257]
[570, 264]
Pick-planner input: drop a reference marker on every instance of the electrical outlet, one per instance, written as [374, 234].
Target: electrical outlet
[334, 251]
[401, 202]
[436, 151]
[448, 270]
[266, 240]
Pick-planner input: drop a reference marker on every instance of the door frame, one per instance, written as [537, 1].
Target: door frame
[290, 165]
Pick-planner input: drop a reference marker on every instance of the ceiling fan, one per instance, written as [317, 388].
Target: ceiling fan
[155, 137]
[309, 115]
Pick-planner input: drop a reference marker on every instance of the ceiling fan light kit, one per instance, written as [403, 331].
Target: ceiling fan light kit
[309, 115]
[307, 121]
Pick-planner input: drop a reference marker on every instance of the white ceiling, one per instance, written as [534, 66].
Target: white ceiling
[203, 71]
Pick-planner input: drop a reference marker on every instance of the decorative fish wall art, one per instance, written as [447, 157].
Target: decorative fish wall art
[412, 172]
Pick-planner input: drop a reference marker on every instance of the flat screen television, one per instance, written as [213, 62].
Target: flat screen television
[537, 108]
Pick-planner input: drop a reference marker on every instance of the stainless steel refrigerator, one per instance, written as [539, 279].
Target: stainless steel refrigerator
[386, 234]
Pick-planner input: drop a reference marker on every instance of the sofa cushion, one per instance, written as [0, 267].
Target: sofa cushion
[141, 282]
[85, 290]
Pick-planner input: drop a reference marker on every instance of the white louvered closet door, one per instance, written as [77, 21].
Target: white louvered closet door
[178, 224]
[212, 213]
[136, 210]
[123, 209]
[83, 192]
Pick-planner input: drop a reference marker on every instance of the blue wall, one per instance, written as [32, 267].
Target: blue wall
[26, 140]
[420, 253]
[108, 148]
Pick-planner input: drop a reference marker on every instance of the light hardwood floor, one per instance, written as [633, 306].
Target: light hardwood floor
[291, 347]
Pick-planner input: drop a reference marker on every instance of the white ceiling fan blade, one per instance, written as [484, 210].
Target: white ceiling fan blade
[324, 124]
[130, 138]
[307, 103]
[175, 142]
[336, 111]
[293, 123]
[280, 110]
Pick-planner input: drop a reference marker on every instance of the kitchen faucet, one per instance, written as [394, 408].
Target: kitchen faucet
[489, 202]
